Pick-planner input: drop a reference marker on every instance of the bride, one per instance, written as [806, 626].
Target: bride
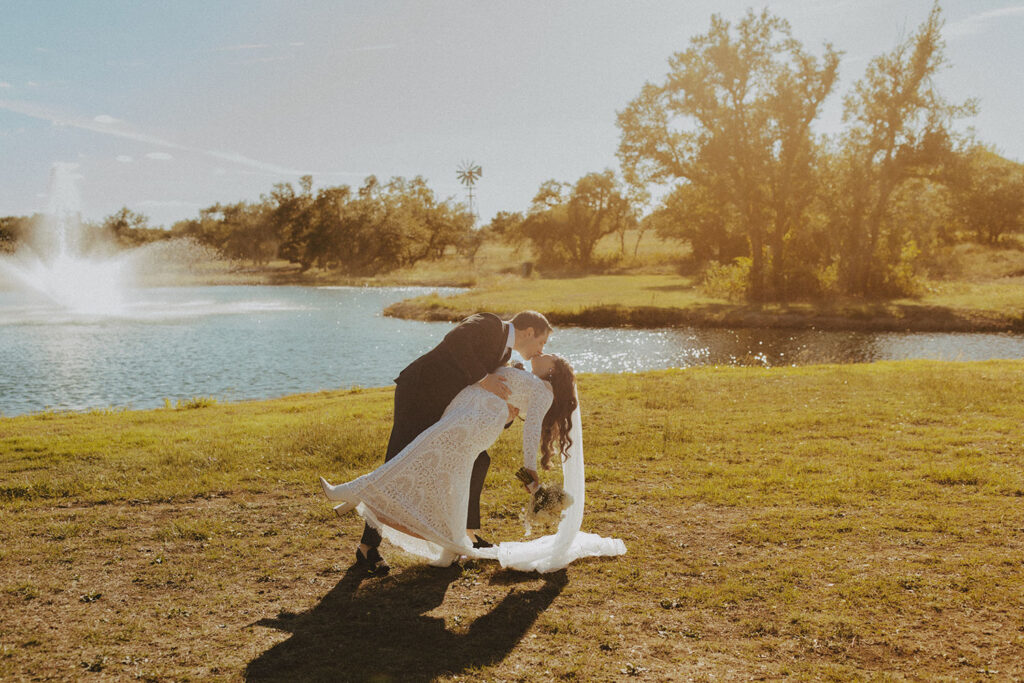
[418, 499]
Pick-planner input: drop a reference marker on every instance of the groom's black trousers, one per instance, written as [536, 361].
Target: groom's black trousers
[416, 408]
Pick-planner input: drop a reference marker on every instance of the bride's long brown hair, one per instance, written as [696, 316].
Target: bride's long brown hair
[557, 423]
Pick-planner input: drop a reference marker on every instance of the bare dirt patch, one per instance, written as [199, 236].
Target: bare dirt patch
[260, 587]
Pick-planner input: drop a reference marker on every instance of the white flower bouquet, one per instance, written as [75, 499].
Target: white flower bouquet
[546, 504]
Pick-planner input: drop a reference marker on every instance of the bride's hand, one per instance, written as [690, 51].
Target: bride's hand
[496, 385]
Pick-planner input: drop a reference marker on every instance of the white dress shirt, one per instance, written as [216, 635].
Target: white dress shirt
[511, 338]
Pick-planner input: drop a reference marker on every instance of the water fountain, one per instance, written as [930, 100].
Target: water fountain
[56, 263]
[66, 270]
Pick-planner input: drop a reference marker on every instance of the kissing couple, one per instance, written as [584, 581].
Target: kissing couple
[451, 405]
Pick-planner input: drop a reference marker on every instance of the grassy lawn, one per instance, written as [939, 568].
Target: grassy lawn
[570, 296]
[826, 522]
[659, 300]
[1005, 295]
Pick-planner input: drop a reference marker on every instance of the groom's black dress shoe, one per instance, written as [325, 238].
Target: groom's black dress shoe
[481, 543]
[372, 562]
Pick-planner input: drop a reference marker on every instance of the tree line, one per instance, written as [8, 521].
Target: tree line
[374, 228]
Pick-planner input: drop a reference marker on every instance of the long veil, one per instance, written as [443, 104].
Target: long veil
[553, 552]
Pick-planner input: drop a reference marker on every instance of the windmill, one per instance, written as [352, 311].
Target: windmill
[468, 174]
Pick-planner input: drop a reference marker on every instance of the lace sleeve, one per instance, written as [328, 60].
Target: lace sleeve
[540, 401]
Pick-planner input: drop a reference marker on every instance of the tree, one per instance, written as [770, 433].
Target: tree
[506, 226]
[290, 213]
[733, 119]
[326, 238]
[565, 222]
[13, 230]
[248, 232]
[128, 227]
[898, 129]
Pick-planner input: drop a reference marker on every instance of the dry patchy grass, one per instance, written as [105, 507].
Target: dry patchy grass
[832, 522]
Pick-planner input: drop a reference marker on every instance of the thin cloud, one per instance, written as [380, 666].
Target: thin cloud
[37, 112]
[105, 119]
[159, 156]
[5, 84]
[977, 23]
[124, 159]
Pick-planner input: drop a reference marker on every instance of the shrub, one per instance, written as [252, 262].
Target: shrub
[731, 282]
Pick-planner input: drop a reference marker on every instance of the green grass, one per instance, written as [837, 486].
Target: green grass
[644, 299]
[659, 300]
[568, 297]
[199, 448]
[825, 523]
[1002, 296]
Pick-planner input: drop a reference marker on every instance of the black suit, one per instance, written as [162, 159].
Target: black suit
[474, 349]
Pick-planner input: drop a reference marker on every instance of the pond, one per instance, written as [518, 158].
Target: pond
[236, 343]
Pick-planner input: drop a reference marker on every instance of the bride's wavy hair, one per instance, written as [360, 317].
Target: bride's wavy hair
[557, 423]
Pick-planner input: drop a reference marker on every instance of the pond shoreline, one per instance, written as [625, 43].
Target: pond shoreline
[881, 318]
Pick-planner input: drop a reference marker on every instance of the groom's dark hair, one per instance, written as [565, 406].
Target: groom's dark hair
[531, 319]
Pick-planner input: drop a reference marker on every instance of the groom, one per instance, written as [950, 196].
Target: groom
[468, 354]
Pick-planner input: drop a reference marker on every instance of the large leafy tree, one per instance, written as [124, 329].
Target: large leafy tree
[733, 120]
[898, 129]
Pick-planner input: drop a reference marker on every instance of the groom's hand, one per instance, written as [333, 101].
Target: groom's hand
[496, 385]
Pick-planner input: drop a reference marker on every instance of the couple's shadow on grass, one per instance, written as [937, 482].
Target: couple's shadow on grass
[383, 633]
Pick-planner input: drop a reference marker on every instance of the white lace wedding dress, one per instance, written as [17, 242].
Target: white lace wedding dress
[418, 499]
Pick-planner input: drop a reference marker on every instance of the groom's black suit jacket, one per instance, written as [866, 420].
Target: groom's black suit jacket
[473, 349]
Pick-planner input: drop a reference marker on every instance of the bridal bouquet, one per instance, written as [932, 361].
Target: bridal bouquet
[546, 504]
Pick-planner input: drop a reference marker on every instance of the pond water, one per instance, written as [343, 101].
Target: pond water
[235, 343]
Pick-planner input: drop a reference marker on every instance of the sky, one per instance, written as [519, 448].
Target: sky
[170, 107]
